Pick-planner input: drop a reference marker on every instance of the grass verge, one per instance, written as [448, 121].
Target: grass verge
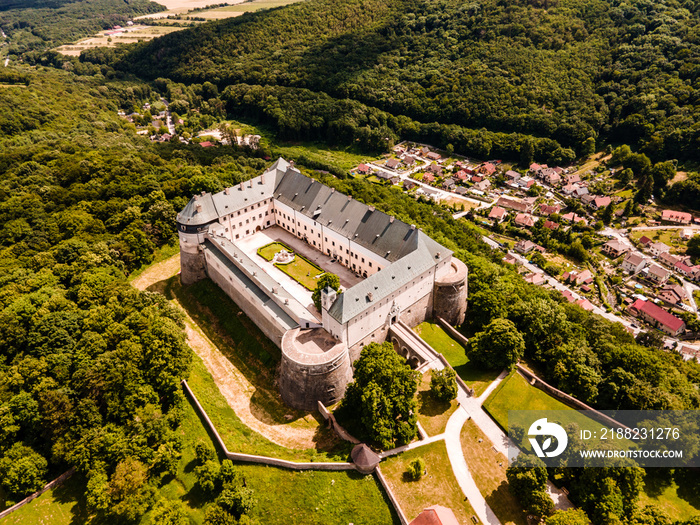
[432, 414]
[437, 487]
[488, 468]
[477, 378]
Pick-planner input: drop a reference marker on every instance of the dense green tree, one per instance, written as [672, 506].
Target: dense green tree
[22, 471]
[325, 281]
[568, 517]
[499, 346]
[527, 479]
[443, 385]
[379, 403]
[416, 468]
[169, 512]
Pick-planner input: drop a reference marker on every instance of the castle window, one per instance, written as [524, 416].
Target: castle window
[247, 232]
[237, 236]
[363, 259]
[247, 221]
[325, 239]
[240, 224]
[319, 235]
[333, 243]
[370, 264]
[266, 213]
[260, 215]
[305, 227]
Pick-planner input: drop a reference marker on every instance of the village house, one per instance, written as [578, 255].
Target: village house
[424, 151]
[461, 190]
[550, 176]
[645, 241]
[657, 248]
[600, 202]
[435, 169]
[678, 217]
[571, 178]
[364, 169]
[408, 161]
[487, 168]
[448, 184]
[684, 269]
[462, 175]
[428, 177]
[569, 189]
[587, 199]
[657, 317]
[551, 225]
[526, 182]
[524, 246]
[477, 178]
[580, 191]
[483, 185]
[498, 214]
[614, 248]
[672, 294]
[573, 218]
[568, 296]
[524, 220]
[535, 278]
[657, 274]
[585, 304]
[579, 278]
[547, 209]
[511, 259]
[668, 259]
[633, 263]
[409, 185]
[433, 156]
[512, 175]
[513, 204]
[393, 163]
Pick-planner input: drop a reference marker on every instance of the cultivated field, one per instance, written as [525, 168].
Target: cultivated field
[130, 35]
[240, 8]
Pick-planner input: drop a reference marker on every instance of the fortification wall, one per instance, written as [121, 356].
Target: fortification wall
[418, 311]
[247, 302]
[450, 301]
[305, 379]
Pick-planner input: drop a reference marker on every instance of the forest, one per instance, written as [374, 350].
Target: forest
[566, 70]
[35, 25]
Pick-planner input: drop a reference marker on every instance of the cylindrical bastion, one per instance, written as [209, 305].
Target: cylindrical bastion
[450, 300]
[315, 367]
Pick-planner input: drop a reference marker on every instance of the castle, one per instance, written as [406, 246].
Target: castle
[390, 271]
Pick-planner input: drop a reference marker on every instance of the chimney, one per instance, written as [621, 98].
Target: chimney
[349, 197]
[371, 208]
[203, 193]
[196, 197]
[250, 183]
[391, 219]
[199, 208]
[332, 190]
[241, 187]
[227, 191]
[262, 179]
[413, 226]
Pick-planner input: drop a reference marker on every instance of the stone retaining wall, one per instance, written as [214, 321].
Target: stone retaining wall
[337, 428]
[453, 332]
[51, 484]
[567, 399]
[392, 498]
[262, 460]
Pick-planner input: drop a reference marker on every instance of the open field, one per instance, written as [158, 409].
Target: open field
[432, 414]
[321, 498]
[240, 8]
[515, 393]
[137, 33]
[454, 352]
[458, 202]
[437, 487]
[671, 237]
[344, 158]
[488, 468]
[665, 493]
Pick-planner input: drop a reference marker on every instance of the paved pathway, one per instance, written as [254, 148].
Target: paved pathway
[461, 470]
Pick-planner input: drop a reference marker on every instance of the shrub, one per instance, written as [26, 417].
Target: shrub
[416, 469]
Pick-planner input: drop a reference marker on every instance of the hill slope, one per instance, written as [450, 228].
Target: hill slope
[568, 70]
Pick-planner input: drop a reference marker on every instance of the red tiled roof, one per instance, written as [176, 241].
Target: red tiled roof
[658, 314]
[436, 515]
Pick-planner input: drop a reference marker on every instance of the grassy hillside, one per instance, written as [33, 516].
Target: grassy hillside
[564, 69]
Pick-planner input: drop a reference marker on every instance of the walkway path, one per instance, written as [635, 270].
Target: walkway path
[461, 470]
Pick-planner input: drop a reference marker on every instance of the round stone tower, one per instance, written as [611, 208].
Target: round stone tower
[192, 265]
[315, 367]
[450, 298]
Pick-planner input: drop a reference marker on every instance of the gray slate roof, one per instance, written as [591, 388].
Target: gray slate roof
[409, 250]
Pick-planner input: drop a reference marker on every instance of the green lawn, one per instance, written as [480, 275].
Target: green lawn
[515, 393]
[282, 496]
[664, 493]
[438, 487]
[432, 414]
[269, 251]
[300, 269]
[488, 468]
[669, 237]
[475, 377]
